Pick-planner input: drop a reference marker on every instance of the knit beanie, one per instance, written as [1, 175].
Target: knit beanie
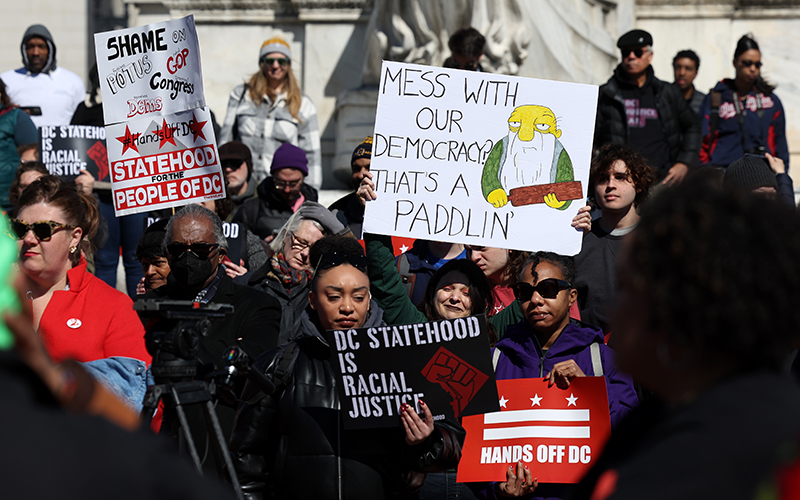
[275, 45]
[289, 156]
[363, 150]
[748, 173]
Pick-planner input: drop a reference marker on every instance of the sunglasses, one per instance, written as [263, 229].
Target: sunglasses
[548, 289]
[747, 64]
[43, 229]
[200, 250]
[334, 259]
[232, 164]
[285, 184]
[269, 61]
[636, 52]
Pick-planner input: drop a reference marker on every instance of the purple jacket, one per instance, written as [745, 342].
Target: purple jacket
[521, 358]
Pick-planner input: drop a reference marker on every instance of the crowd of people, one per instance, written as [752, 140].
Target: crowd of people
[682, 298]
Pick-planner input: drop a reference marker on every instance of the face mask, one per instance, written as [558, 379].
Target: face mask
[191, 271]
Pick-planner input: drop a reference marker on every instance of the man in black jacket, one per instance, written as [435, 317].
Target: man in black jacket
[195, 248]
[636, 108]
[279, 195]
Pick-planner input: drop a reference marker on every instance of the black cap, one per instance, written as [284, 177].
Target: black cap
[149, 245]
[235, 150]
[635, 38]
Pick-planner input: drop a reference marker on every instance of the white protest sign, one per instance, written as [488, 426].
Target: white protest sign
[479, 158]
[165, 161]
[149, 70]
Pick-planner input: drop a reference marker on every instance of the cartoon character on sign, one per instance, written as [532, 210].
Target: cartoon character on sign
[530, 165]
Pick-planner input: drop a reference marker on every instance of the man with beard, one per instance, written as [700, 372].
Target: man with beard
[50, 94]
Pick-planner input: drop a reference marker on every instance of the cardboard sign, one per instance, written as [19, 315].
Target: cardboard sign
[480, 158]
[149, 70]
[556, 433]
[164, 162]
[445, 363]
[68, 149]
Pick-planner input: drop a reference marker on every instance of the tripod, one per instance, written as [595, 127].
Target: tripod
[187, 393]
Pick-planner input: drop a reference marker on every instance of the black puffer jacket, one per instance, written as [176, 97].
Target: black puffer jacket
[292, 444]
[679, 124]
[266, 214]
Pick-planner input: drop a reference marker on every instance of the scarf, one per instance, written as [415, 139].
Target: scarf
[287, 276]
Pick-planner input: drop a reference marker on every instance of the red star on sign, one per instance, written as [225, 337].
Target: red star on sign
[197, 128]
[128, 141]
[168, 135]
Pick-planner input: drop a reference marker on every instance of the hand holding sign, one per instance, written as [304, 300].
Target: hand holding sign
[517, 484]
[564, 373]
[417, 429]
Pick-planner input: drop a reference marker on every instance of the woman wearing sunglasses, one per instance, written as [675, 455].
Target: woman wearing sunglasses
[77, 315]
[743, 115]
[270, 109]
[291, 444]
[548, 344]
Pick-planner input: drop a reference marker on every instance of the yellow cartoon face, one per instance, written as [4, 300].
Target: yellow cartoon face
[525, 120]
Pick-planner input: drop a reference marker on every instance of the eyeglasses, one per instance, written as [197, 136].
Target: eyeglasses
[200, 250]
[746, 64]
[269, 61]
[297, 243]
[636, 52]
[232, 164]
[333, 259]
[43, 229]
[284, 184]
[548, 289]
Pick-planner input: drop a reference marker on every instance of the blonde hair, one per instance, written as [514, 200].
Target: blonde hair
[259, 87]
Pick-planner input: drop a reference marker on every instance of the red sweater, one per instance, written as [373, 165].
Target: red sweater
[91, 321]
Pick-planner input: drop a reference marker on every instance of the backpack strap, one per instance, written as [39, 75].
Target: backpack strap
[408, 278]
[597, 363]
[495, 358]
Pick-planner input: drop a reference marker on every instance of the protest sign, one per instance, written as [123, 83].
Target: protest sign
[557, 433]
[445, 363]
[149, 70]
[479, 158]
[69, 148]
[164, 162]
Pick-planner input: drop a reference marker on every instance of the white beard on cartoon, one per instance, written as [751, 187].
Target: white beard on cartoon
[527, 163]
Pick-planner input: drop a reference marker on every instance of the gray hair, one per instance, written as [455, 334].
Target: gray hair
[291, 226]
[196, 212]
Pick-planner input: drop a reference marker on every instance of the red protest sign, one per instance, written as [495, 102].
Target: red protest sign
[557, 433]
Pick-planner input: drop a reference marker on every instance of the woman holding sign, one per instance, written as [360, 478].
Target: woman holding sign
[291, 443]
[270, 109]
[548, 344]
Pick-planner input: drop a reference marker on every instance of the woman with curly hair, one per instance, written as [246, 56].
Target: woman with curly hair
[270, 109]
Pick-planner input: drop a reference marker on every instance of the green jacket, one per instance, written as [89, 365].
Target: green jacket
[391, 295]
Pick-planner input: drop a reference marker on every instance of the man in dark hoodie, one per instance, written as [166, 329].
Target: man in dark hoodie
[636, 108]
[49, 93]
[279, 195]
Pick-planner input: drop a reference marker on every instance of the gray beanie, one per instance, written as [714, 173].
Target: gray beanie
[749, 173]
